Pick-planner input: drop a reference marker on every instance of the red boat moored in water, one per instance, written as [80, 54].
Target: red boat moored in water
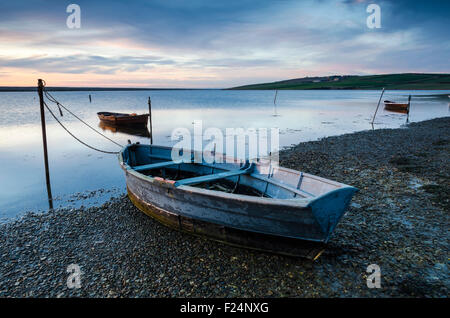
[123, 119]
[396, 107]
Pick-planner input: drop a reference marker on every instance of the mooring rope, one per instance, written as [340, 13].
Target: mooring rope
[53, 100]
[76, 138]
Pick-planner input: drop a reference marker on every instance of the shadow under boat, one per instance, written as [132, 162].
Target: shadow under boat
[140, 131]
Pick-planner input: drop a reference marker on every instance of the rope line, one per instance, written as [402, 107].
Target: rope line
[79, 140]
[53, 100]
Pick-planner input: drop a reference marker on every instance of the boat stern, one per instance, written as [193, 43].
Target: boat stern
[330, 207]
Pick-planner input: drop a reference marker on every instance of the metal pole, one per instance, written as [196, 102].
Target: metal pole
[44, 141]
[373, 119]
[150, 118]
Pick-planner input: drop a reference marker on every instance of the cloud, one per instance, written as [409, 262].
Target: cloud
[78, 64]
[226, 42]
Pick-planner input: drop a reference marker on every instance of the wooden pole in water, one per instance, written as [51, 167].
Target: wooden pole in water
[275, 103]
[150, 119]
[407, 111]
[373, 119]
[44, 141]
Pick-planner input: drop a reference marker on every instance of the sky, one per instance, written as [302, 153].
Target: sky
[216, 43]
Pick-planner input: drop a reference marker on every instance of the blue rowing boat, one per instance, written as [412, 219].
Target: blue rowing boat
[251, 204]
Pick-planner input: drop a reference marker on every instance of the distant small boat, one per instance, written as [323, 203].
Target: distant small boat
[123, 119]
[396, 107]
[254, 205]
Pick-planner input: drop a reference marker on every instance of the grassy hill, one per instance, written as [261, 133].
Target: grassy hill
[388, 81]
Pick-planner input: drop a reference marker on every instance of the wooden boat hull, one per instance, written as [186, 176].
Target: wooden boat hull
[120, 119]
[230, 236]
[286, 225]
[396, 107]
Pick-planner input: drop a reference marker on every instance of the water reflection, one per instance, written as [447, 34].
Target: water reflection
[81, 176]
[140, 131]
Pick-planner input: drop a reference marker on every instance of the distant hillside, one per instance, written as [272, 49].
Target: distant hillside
[388, 81]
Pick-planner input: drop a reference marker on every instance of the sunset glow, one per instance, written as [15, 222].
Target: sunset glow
[209, 45]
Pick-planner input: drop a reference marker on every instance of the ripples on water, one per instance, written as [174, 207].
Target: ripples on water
[76, 171]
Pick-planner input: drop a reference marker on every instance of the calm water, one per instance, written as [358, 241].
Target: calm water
[77, 171]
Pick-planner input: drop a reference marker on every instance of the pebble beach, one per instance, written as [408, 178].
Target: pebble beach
[398, 220]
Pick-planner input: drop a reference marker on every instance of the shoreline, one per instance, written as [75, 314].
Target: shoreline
[398, 220]
[21, 89]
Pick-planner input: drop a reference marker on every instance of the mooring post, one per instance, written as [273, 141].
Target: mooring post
[407, 111]
[150, 119]
[373, 119]
[44, 141]
[275, 103]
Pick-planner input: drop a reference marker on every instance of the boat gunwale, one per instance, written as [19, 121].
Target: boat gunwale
[386, 102]
[298, 202]
[294, 202]
[280, 168]
[121, 115]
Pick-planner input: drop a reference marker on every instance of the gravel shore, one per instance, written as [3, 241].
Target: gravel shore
[399, 221]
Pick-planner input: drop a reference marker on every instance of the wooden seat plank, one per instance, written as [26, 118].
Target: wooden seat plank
[215, 176]
[154, 165]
